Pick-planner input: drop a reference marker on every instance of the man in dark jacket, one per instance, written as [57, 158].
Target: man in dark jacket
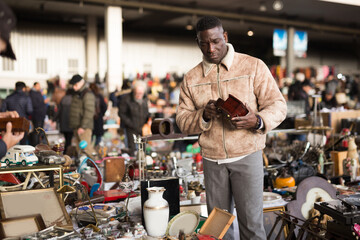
[39, 106]
[134, 112]
[82, 110]
[20, 102]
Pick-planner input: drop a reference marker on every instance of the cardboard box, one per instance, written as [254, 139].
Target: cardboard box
[217, 223]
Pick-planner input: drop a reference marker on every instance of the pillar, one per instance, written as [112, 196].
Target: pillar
[113, 35]
[290, 55]
[91, 48]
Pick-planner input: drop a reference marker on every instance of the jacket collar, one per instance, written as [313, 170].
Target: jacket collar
[226, 61]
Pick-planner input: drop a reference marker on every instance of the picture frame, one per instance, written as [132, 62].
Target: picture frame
[37, 201]
[19, 226]
[269, 218]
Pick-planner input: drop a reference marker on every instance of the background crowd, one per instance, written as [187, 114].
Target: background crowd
[142, 99]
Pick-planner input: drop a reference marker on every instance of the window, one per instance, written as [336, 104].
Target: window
[73, 66]
[7, 64]
[41, 65]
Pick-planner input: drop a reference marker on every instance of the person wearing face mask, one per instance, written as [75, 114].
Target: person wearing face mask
[232, 150]
[134, 113]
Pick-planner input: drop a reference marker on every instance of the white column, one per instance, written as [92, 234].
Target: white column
[290, 56]
[91, 49]
[113, 33]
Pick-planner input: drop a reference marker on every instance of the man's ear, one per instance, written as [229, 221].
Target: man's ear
[226, 36]
[197, 41]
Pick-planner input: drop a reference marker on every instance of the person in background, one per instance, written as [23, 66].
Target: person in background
[328, 99]
[82, 110]
[62, 118]
[231, 148]
[134, 113]
[39, 106]
[7, 23]
[100, 109]
[20, 102]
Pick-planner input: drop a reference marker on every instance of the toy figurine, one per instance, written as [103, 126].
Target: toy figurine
[20, 154]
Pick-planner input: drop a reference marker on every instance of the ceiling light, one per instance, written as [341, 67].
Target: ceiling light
[262, 7]
[250, 32]
[278, 5]
[189, 26]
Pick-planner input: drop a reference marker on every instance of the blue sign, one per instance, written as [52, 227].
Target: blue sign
[280, 42]
[300, 43]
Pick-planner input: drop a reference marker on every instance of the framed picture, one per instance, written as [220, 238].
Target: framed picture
[269, 221]
[38, 201]
[19, 226]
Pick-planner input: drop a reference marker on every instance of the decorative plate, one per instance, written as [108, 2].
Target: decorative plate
[186, 221]
[271, 197]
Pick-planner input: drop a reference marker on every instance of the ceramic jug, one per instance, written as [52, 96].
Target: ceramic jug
[156, 212]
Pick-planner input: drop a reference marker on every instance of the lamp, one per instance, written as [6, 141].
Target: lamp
[189, 26]
[250, 32]
[262, 7]
[278, 5]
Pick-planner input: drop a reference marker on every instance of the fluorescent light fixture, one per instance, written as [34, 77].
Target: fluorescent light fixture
[348, 2]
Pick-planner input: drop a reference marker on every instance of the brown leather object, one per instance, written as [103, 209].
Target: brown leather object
[20, 124]
[232, 107]
[114, 169]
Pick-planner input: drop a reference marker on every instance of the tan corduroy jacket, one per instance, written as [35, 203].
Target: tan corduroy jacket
[248, 79]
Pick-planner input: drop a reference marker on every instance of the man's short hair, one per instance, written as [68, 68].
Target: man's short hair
[35, 83]
[207, 22]
[19, 85]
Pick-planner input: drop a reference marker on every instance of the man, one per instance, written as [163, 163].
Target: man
[7, 23]
[20, 102]
[82, 110]
[231, 150]
[39, 106]
[134, 113]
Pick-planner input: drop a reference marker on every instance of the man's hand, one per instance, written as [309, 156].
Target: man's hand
[210, 111]
[11, 114]
[10, 138]
[80, 131]
[246, 122]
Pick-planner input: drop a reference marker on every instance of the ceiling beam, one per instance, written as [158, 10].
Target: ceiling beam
[225, 15]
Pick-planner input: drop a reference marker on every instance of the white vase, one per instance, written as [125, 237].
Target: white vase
[156, 212]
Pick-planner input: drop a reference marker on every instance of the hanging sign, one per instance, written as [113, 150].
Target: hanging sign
[300, 43]
[280, 42]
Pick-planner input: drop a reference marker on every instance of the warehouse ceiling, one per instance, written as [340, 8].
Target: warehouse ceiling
[323, 20]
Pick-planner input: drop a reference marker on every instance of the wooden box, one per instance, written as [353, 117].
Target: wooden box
[232, 107]
[20, 124]
[114, 169]
[333, 119]
[338, 158]
[217, 223]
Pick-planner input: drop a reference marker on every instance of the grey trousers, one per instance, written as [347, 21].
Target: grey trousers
[239, 182]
